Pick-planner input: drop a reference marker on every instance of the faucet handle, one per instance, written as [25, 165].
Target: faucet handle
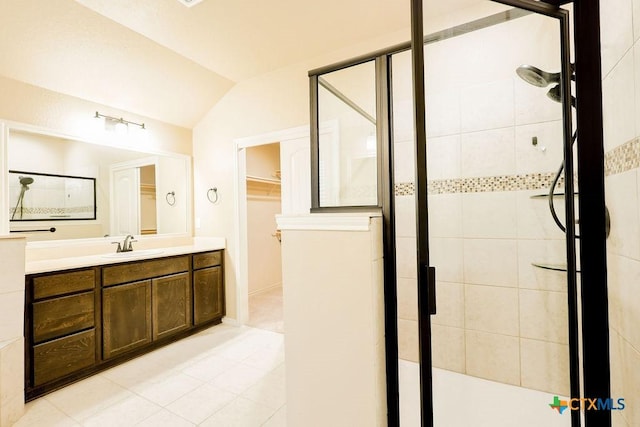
[130, 248]
[119, 249]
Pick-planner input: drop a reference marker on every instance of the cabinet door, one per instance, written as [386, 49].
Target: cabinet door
[126, 315]
[208, 295]
[171, 296]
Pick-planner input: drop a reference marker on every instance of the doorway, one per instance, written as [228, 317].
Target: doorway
[256, 185]
[264, 202]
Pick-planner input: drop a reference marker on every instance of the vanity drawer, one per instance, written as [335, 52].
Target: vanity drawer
[141, 270]
[208, 259]
[63, 356]
[63, 283]
[61, 316]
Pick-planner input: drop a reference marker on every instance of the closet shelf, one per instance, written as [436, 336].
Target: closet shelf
[148, 189]
[260, 179]
[263, 187]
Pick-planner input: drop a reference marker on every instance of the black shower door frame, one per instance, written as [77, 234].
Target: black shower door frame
[426, 274]
[595, 340]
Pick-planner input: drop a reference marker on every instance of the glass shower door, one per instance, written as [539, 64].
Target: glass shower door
[495, 142]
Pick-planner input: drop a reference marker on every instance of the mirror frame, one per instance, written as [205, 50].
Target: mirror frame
[7, 126]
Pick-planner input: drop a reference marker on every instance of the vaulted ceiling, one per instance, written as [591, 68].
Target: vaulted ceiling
[144, 56]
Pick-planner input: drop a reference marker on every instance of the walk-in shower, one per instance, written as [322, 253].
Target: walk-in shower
[501, 320]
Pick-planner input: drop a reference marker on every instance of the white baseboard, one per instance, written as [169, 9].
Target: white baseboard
[231, 321]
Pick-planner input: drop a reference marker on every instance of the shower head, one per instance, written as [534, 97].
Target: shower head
[25, 180]
[536, 76]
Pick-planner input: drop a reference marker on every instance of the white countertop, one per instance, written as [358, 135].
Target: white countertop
[57, 264]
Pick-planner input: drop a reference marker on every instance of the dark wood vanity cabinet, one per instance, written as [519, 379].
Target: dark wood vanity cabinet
[208, 289]
[79, 322]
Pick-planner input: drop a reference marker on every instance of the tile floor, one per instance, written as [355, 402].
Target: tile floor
[230, 376]
[265, 310]
[223, 376]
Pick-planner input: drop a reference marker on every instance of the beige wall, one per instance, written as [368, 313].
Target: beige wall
[621, 104]
[264, 160]
[268, 103]
[334, 320]
[24, 103]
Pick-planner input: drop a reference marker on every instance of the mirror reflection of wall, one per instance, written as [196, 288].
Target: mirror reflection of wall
[55, 155]
[148, 211]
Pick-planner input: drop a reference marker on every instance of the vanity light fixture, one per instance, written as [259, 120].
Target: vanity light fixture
[118, 123]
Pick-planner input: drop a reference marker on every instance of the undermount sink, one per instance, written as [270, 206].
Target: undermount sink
[134, 253]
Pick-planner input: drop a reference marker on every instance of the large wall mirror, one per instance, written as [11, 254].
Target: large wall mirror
[135, 192]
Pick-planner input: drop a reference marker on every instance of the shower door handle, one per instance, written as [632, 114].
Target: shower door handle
[432, 289]
[429, 274]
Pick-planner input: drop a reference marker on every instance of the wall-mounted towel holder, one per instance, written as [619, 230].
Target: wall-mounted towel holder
[212, 194]
[50, 230]
[171, 198]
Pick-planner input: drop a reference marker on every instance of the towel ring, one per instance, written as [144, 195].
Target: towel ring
[214, 198]
[171, 198]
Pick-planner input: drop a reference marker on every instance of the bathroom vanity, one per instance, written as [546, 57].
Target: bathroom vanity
[79, 321]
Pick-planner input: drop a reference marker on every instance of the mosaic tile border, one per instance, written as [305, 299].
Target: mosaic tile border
[534, 181]
[54, 211]
[405, 189]
[622, 158]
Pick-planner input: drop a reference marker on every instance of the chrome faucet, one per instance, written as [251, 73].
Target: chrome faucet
[126, 245]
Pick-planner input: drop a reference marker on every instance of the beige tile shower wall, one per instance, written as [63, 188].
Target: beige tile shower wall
[620, 34]
[498, 317]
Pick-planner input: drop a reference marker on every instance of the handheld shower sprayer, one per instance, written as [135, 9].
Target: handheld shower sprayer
[536, 77]
[539, 78]
[25, 181]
